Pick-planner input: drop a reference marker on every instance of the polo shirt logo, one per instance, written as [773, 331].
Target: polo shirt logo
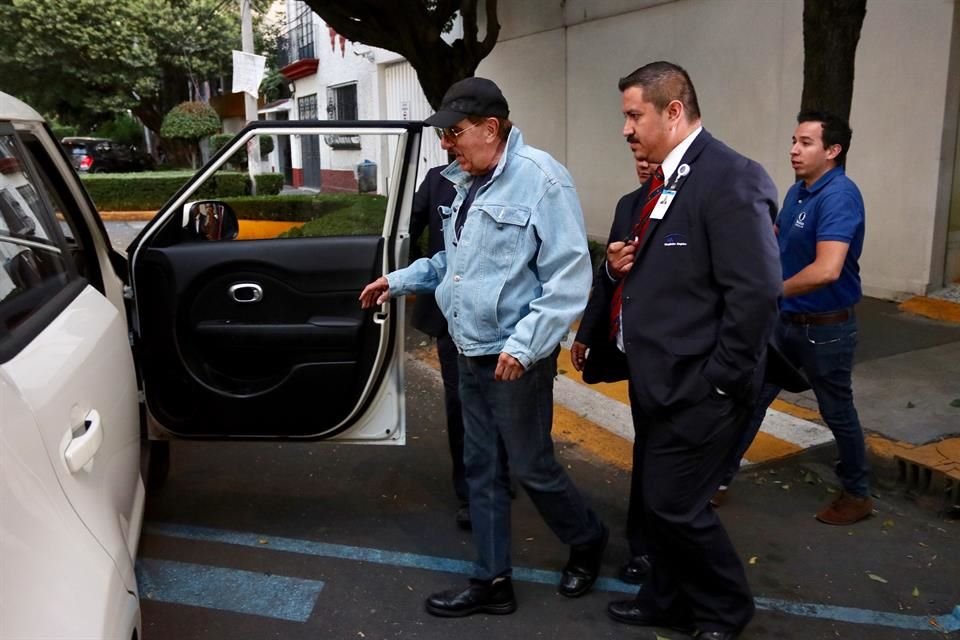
[801, 218]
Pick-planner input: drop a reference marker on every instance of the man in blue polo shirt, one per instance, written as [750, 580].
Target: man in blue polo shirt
[820, 231]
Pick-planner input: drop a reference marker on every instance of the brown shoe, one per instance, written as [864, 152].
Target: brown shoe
[720, 497]
[846, 509]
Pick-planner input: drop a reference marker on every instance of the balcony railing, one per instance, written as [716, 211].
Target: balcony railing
[299, 42]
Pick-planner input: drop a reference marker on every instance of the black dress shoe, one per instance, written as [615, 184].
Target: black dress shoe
[636, 570]
[715, 635]
[462, 517]
[583, 567]
[479, 597]
[633, 612]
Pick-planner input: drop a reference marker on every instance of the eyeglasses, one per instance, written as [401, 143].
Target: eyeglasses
[451, 134]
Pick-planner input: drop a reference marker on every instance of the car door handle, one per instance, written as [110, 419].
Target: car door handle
[82, 448]
[246, 292]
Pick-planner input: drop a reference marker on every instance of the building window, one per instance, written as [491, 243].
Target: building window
[342, 105]
[342, 102]
[307, 107]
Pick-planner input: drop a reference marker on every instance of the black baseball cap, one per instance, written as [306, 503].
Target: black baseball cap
[469, 97]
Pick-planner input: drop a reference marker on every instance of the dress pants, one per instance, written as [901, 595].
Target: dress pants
[696, 575]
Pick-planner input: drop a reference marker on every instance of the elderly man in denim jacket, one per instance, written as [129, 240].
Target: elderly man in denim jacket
[515, 273]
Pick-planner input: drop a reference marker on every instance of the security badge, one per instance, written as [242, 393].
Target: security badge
[669, 192]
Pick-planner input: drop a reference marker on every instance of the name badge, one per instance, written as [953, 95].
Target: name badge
[660, 209]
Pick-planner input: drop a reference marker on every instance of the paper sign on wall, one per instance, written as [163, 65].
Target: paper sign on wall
[248, 71]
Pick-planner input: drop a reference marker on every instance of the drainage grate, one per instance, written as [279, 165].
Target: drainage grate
[921, 478]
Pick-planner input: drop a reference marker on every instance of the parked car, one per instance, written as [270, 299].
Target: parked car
[100, 155]
[218, 338]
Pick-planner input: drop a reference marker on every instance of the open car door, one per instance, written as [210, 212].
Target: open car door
[246, 318]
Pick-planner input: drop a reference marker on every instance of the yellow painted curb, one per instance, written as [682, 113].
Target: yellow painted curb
[249, 229]
[258, 229]
[933, 308]
[127, 216]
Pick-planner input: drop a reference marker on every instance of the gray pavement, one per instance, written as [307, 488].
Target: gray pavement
[122, 233]
[906, 375]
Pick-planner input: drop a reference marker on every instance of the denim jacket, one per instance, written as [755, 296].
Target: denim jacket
[520, 273]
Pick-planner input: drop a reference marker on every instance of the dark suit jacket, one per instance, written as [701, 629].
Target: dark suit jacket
[700, 302]
[434, 191]
[605, 362]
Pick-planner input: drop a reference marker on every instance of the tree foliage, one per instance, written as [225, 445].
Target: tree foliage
[86, 60]
[831, 31]
[190, 121]
[413, 28]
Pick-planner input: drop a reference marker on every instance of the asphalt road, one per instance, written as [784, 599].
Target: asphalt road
[255, 540]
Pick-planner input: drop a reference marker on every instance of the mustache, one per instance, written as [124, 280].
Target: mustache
[632, 140]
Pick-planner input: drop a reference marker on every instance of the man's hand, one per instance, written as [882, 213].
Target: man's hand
[620, 256]
[377, 292]
[578, 355]
[508, 368]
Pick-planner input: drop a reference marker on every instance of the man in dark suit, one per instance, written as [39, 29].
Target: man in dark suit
[436, 191]
[693, 286]
[608, 363]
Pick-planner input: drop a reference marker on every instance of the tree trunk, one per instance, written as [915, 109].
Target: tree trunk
[831, 31]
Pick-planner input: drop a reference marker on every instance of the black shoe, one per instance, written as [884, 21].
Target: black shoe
[715, 635]
[479, 597]
[636, 570]
[462, 517]
[633, 612]
[583, 567]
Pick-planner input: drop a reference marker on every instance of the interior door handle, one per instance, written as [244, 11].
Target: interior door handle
[246, 292]
[82, 448]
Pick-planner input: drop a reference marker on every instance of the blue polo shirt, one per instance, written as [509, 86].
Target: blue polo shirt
[831, 209]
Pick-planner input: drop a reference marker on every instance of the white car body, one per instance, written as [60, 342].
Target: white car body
[71, 495]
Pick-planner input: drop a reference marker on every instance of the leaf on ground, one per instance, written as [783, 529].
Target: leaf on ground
[955, 403]
[888, 524]
[910, 405]
[876, 578]
[785, 487]
[809, 478]
[916, 593]
[753, 559]
[262, 541]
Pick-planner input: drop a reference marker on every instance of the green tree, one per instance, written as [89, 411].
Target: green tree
[413, 28]
[84, 61]
[190, 122]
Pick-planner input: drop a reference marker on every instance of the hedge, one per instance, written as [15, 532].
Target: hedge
[149, 191]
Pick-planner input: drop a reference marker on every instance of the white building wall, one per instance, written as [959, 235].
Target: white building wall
[746, 60]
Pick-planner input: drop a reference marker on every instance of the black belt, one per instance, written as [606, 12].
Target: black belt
[827, 317]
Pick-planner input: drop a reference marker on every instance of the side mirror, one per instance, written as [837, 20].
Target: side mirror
[210, 220]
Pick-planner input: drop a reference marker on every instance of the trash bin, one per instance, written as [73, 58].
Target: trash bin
[367, 177]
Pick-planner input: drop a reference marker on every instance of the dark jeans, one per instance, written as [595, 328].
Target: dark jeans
[447, 353]
[512, 420]
[825, 353]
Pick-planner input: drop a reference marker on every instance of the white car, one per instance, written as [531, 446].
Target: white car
[199, 335]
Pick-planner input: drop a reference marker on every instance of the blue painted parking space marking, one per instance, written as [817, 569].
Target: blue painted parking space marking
[946, 623]
[234, 590]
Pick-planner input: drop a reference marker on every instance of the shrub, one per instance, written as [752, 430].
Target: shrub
[190, 121]
[149, 191]
[122, 129]
[239, 158]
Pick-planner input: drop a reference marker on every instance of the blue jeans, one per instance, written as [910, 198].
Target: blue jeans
[512, 420]
[825, 353]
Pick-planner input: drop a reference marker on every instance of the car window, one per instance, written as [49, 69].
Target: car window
[311, 185]
[33, 268]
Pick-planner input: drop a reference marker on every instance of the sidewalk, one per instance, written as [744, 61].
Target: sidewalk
[906, 387]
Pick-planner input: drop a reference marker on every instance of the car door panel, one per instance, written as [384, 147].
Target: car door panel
[306, 335]
[266, 338]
